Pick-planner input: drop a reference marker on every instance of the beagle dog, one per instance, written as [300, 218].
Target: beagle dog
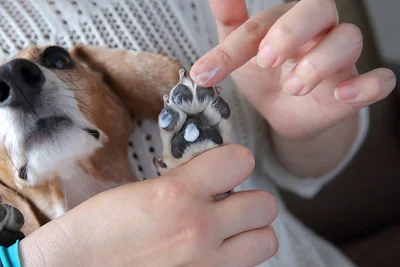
[66, 117]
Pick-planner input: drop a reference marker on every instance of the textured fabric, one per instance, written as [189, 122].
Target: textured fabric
[184, 30]
[9, 257]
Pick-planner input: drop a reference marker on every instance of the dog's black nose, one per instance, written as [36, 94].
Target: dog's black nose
[20, 83]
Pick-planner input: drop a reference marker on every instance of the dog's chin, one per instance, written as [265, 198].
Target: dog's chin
[54, 147]
[47, 129]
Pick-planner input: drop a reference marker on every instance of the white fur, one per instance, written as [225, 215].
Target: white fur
[59, 154]
[59, 209]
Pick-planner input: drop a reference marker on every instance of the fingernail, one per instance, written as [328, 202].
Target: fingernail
[293, 86]
[389, 79]
[346, 92]
[203, 73]
[266, 57]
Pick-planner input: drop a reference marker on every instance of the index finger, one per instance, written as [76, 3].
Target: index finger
[215, 171]
[238, 48]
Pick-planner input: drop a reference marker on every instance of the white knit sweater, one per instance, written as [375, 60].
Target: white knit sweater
[184, 30]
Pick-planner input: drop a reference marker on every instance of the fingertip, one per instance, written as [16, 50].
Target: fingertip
[204, 73]
[274, 242]
[388, 77]
[195, 72]
[246, 155]
[367, 88]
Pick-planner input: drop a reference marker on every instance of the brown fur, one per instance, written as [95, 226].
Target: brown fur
[114, 88]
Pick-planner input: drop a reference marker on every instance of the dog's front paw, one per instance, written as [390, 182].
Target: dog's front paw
[194, 119]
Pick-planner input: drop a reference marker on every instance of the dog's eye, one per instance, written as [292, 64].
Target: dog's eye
[55, 57]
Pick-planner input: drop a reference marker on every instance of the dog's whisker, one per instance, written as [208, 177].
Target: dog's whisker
[88, 171]
[7, 152]
[69, 80]
[88, 110]
[82, 105]
[85, 195]
[65, 193]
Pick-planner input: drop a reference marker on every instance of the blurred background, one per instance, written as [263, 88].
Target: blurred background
[385, 22]
[360, 211]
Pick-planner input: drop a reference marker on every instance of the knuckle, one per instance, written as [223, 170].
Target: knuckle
[253, 29]
[283, 34]
[311, 74]
[353, 34]
[223, 55]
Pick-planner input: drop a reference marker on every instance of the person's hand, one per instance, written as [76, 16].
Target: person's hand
[172, 220]
[297, 49]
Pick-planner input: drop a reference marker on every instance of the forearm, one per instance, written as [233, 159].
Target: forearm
[315, 156]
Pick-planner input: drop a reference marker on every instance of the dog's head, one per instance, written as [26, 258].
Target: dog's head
[61, 109]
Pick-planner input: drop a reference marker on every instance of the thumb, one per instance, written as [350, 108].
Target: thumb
[216, 171]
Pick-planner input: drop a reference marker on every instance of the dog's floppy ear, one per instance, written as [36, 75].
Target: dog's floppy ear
[12, 198]
[140, 79]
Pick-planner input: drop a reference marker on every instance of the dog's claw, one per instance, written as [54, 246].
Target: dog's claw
[182, 75]
[159, 164]
[165, 99]
[194, 119]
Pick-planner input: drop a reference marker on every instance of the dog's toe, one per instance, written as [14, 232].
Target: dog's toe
[182, 95]
[222, 108]
[168, 119]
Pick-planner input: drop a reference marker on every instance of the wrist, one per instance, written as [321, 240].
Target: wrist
[316, 155]
[48, 246]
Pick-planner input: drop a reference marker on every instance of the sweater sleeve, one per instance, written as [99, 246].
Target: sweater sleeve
[9, 256]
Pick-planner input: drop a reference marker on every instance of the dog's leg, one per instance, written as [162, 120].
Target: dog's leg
[194, 119]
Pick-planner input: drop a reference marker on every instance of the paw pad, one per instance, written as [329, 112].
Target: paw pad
[194, 119]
